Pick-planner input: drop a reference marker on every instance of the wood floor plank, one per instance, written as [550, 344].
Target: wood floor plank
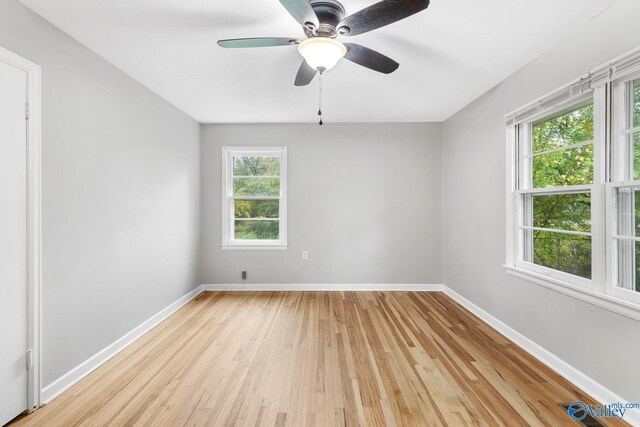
[318, 359]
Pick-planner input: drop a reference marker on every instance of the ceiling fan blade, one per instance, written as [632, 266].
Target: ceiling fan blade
[302, 12]
[380, 14]
[370, 59]
[258, 42]
[305, 74]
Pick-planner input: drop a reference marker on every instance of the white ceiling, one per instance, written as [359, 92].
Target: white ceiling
[449, 55]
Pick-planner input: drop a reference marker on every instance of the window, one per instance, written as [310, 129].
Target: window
[254, 202]
[555, 185]
[624, 191]
[573, 188]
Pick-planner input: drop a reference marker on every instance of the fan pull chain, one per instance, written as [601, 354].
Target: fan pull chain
[320, 99]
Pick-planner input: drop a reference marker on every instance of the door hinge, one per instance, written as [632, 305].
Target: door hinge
[27, 110]
[29, 359]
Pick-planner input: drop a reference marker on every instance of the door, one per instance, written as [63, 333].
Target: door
[13, 242]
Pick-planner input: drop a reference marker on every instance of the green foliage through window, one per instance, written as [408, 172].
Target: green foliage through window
[570, 166]
[256, 178]
[563, 212]
[567, 166]
[563, 252]
[256, 230]
[256, 209]
[256, 166]
[570, 128]
[261, 187]
[573, 166]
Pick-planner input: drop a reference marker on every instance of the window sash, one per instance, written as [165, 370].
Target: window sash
[613, 237]
[525, 242]
[524, 140]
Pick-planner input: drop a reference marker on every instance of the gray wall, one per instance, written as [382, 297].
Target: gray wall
[364, 200]
[603, 345]
[121, 195]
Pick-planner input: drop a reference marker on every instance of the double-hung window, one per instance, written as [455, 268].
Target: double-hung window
[554, 198]
[573, 188]
[623, 193]
[254, 197]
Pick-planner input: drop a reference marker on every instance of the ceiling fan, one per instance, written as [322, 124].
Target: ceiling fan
[323, 21]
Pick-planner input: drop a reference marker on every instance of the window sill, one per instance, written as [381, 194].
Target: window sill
[254, 247]
[607, 302]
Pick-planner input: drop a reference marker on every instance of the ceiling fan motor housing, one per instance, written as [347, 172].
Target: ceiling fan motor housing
[329, 13]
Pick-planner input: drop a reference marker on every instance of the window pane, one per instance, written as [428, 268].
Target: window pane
[564, 252]
[256, 208]
[636, 103]
[256, 166]
[629, 265]
[561, 168]
[256, 187]
[563, 212]
[570, 128]
[628, 211]
[257, 230]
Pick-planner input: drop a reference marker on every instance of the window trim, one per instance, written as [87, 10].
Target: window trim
[606, 81]
[228, 243]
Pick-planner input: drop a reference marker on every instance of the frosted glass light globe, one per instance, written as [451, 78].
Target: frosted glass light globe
[322, 53]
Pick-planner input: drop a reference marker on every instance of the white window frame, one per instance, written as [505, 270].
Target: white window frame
[228, 242]
[523, 188]
[611, 171]
[622, 176]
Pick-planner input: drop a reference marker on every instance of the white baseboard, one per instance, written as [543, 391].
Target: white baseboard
[69, 379]
[584, 382]
[327, 287]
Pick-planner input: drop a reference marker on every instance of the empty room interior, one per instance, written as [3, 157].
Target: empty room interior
[320, 213]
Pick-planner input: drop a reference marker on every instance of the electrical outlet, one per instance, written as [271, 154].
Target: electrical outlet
[244, 275]
[305, 255]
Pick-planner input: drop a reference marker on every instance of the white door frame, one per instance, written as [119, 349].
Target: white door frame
[34, 279]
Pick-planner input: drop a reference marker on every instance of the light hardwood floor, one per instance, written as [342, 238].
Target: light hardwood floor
[318, 359]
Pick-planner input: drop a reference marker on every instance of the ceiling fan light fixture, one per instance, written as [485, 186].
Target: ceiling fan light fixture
[322, 53]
